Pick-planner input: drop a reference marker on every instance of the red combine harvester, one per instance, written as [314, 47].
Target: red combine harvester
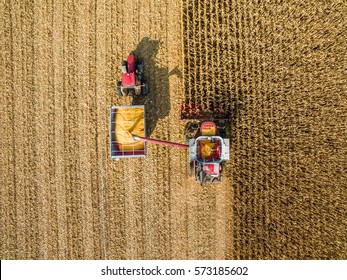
[132, 82]
[206, 131]
[208, 149]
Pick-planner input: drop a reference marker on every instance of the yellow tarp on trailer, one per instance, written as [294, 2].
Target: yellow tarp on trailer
[129, 121]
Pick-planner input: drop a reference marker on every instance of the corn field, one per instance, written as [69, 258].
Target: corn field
[278, 69]
[281, 69]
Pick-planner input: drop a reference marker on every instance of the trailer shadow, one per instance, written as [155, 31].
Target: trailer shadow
[157, 102]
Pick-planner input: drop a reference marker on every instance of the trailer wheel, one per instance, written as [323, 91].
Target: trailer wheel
[118, 88]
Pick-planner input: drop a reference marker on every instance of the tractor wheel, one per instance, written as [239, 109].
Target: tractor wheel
[118, 89]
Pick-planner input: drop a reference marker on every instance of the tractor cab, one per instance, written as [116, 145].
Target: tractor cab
[208, 146]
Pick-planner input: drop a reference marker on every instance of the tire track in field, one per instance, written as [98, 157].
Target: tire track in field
[93, 129]
[206, 216]
[59, 86]
[4, 163]
[164, 168]
[83, 53]
[192, 221]
[71, 143]
[148, 186]
[116, 189]
[40, 130]
[96, 126]
[8, 206]
[23, 189]
[132, 167]
[178, 159]
[102, 130]
[52, 226]
[224, 248]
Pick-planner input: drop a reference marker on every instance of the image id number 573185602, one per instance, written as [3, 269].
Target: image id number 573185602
[206, 270]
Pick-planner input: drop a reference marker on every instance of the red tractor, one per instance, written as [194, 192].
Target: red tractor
[132, 83]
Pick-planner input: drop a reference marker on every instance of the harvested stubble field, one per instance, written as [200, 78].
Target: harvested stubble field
[281, 68]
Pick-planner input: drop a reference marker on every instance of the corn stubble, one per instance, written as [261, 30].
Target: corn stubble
[277, 67]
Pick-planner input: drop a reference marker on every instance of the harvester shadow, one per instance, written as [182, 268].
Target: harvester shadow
[157, 102]
[235, 117]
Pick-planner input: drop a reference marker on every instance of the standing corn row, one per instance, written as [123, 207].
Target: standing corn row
[207, 56]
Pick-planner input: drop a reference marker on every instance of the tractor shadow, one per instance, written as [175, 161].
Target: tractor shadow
[157, 102]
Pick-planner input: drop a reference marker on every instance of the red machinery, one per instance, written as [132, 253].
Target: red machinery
[132, 81]
[208, 149]
[206, 141]
[205, 132]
